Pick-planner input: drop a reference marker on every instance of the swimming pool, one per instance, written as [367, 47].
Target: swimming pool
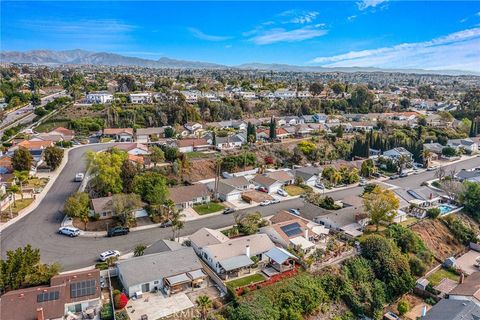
[445, 208]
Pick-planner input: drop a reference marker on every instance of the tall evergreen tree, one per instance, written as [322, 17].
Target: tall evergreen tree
[273, 128]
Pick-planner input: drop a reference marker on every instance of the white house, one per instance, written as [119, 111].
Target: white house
[119, 134]
[188, 196]
[228, 143]
[143, 97]
[169, 271]
[284, 94]
[465, 144]
[272, 185]
[191, 96]
[232, 189]
[396, 153]
[99, 97]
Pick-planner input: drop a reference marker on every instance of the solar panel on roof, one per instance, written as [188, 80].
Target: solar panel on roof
[291, 229]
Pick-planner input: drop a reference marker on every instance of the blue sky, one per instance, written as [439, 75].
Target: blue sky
[369, 33]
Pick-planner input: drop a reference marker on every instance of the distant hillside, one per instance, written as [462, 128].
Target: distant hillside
[98, 58]
[78, 56]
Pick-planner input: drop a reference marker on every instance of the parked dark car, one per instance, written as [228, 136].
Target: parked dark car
[228, 210]
[117, 231]
[166, 224]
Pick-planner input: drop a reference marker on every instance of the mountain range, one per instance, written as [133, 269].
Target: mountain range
[82, 57]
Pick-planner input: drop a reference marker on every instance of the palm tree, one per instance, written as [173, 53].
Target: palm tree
[427, 157]
[177, 224]
[14, 189]
[21, 177]
[204, 303]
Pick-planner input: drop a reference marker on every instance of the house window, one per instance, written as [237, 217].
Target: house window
[48, 296]
[83, 288]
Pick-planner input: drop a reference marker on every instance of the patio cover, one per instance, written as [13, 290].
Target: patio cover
[352, 230]
[236, 262]
[279, 255]
[302, 242]
[319, 230]
[178, 279]
[197, 274]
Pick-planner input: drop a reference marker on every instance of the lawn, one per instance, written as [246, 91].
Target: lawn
[440, 274]
[294, 190]
[207, 208]
[242, 282]
[20, 204]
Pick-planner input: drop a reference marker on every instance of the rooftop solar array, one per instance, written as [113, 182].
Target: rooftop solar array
[292, 229]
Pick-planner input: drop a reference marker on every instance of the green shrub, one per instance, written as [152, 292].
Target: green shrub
[403, 307]
[433, 213]
[106, 312]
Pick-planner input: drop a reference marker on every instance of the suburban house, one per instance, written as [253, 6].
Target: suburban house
[35, 145]
[421, 197]
[67, 134]
[283, 176]
[103, 208]
[137, 149]
[231, 257]
[309, 175]
[232, 189]
[467, 145]
[68, 294]
[281, 133]
[138, 98]
[187, 196]
[396, 153]
[287, 230]
[170, 272]
[145, 135]
[228, 143]
[447, 309]
[119, 134]
[6, 165]
[465, 175]
[190, 145]
[263, 181]
[435, 149]
[191, 128]
[99, 97]
[469, 289]
[191, 96]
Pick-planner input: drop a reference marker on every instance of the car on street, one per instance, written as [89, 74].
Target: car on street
[363, 182]
[391, 315]
[108, 254]
[263, 189]
[320, 186]
[395, 176]
[403, 175]
[274, 201]
[69, 231]
[229, 210]
[265, 203]
[117, 231]
[432, 168]
[282, 192]
[79, 177]
[166, 224]
[294, 211]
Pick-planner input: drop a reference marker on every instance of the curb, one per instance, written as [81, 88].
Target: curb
[25, 211]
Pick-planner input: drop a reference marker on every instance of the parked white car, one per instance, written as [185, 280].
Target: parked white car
[282, 192]
[79, 177]
[69, 231]
[265, 203]
[107, 254]
[274, 201]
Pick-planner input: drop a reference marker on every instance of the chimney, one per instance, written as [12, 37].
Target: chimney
[306, 233]
[247, 250]
[40, 315]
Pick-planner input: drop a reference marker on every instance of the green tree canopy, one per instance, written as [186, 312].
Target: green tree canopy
[152, 187]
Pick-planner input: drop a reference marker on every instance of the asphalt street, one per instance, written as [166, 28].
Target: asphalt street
[39, 228]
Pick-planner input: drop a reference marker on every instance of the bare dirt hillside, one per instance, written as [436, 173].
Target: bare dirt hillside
[438, 238]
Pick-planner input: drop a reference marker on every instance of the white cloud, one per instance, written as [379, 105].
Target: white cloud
[365, 4]
[457, 50]
[295, 35]
[299, 17]
[200, 35]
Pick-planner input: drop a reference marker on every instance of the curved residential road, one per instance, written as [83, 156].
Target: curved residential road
[39, 228]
